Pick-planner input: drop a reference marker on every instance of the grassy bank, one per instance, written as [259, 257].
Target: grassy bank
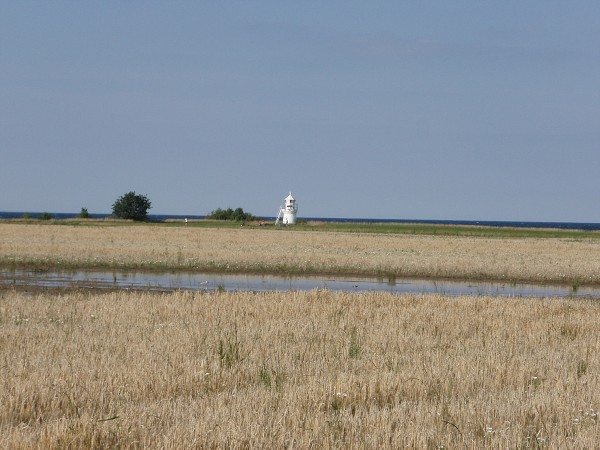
[265, 250]
[451, 230]
[303, 370]
[345, 227]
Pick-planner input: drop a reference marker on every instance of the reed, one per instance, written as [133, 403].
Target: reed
[298, 369]
[259, 250]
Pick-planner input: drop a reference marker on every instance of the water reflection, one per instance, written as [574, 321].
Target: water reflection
[211, 282]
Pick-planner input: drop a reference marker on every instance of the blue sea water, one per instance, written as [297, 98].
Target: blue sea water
[512, 224]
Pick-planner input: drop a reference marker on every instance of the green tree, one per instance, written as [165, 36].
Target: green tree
[84, 214]
[132, 206]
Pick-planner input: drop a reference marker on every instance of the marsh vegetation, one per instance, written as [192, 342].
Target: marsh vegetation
[566, 260]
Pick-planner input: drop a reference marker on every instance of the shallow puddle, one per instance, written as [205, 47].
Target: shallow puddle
[212, 282]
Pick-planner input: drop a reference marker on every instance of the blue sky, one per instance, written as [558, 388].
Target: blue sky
[411, 110]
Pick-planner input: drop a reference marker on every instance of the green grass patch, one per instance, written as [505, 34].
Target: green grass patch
[341, 227]
[448, 230]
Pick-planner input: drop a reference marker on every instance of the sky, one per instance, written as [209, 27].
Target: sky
[457, 110]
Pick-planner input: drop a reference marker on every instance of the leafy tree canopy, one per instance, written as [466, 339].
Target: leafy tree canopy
[132, 206]
[229, 214]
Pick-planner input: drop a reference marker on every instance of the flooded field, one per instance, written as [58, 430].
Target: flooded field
[228, 282]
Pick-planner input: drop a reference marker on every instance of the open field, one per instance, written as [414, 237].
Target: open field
[295, 251]
[297, 370]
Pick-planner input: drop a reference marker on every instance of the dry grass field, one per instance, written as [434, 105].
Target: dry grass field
[257, 250]
[297, 370]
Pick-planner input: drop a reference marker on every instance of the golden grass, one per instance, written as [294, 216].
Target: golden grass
[259, 250]
[297, 370]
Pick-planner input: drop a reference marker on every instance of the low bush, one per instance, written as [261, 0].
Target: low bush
[237, 215]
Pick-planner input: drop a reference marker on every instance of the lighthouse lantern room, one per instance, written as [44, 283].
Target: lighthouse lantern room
[287, 213]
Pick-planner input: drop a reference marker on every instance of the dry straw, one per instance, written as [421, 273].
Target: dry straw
[299, 252]
[297, 370]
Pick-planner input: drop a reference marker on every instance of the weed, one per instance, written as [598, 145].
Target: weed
[268, 377]
[229, 351]
[265, 376]
[582, 368]
[535, 383]
[354, 349]
[569, 331]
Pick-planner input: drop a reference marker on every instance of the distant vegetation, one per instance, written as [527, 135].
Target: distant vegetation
[84, 214]
[45, 216]
[229, 214]
[132, 206]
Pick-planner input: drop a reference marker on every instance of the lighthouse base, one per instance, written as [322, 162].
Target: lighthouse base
[289, 218]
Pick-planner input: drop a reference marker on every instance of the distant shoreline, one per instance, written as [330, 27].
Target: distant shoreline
[587, 226]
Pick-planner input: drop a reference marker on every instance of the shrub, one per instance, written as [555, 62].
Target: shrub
[84, 214]
[229, 214]
[45, 216]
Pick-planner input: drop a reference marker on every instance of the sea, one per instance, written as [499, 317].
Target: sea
[512, 224]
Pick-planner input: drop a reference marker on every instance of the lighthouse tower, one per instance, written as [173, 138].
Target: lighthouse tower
[287, 213]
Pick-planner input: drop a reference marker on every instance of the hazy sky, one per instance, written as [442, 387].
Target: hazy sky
[474, 110]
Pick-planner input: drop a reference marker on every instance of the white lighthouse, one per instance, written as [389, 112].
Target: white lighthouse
[287, 213]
